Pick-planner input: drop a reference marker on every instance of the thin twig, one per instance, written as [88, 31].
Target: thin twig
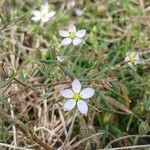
[85, 139]
[14, 128]
[125, 137]
[15, 147]
[128, 147]
[70, 129]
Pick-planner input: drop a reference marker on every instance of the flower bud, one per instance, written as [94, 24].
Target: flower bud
[144, 128]
[3, 74]
[107, 117]
[102, 10]
[10, 72]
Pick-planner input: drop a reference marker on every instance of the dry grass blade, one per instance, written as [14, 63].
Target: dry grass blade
[85, 139]
[22, 127]
[115, 104]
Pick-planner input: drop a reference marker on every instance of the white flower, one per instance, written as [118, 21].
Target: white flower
[78, 97]
[79, 12]
[132, 58]
[43, 15]
[60, 58]
[72, 35]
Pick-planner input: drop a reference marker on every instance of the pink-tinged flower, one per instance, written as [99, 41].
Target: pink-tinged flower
[79, 12]
[43, 15]
[77, 97]
[72, 35]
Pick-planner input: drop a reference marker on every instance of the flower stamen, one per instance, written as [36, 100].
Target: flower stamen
[132, 59]
[77, 96]
[72, 35]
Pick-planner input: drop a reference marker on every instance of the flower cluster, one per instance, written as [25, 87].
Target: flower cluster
[74, 36]
[75, 96]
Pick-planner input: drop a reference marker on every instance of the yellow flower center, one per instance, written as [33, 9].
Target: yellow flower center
[72, 35]
[76, 96]
[132, 59]
[43, 13]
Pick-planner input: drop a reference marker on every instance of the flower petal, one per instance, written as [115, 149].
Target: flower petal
[45, 8]
[87, 93]
[72, 28]
[36, 15]
[76, 86]
[68, 93]
[77, 41]
[130, 64]
[66, 41]
[51, 14]
[36, 18]
[126, 59]
[138, 60]
[133, 54]
[79, 12]
[47, 17]
[82, 106]
[63, 33]
[69, 105]
[81, 33]
[44, 19]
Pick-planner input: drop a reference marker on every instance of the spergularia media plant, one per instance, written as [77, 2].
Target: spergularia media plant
[77, 97]
[72, 35]
[43, 15]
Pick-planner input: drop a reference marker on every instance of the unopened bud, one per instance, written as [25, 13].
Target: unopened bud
[102, 10]
[10, 72]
